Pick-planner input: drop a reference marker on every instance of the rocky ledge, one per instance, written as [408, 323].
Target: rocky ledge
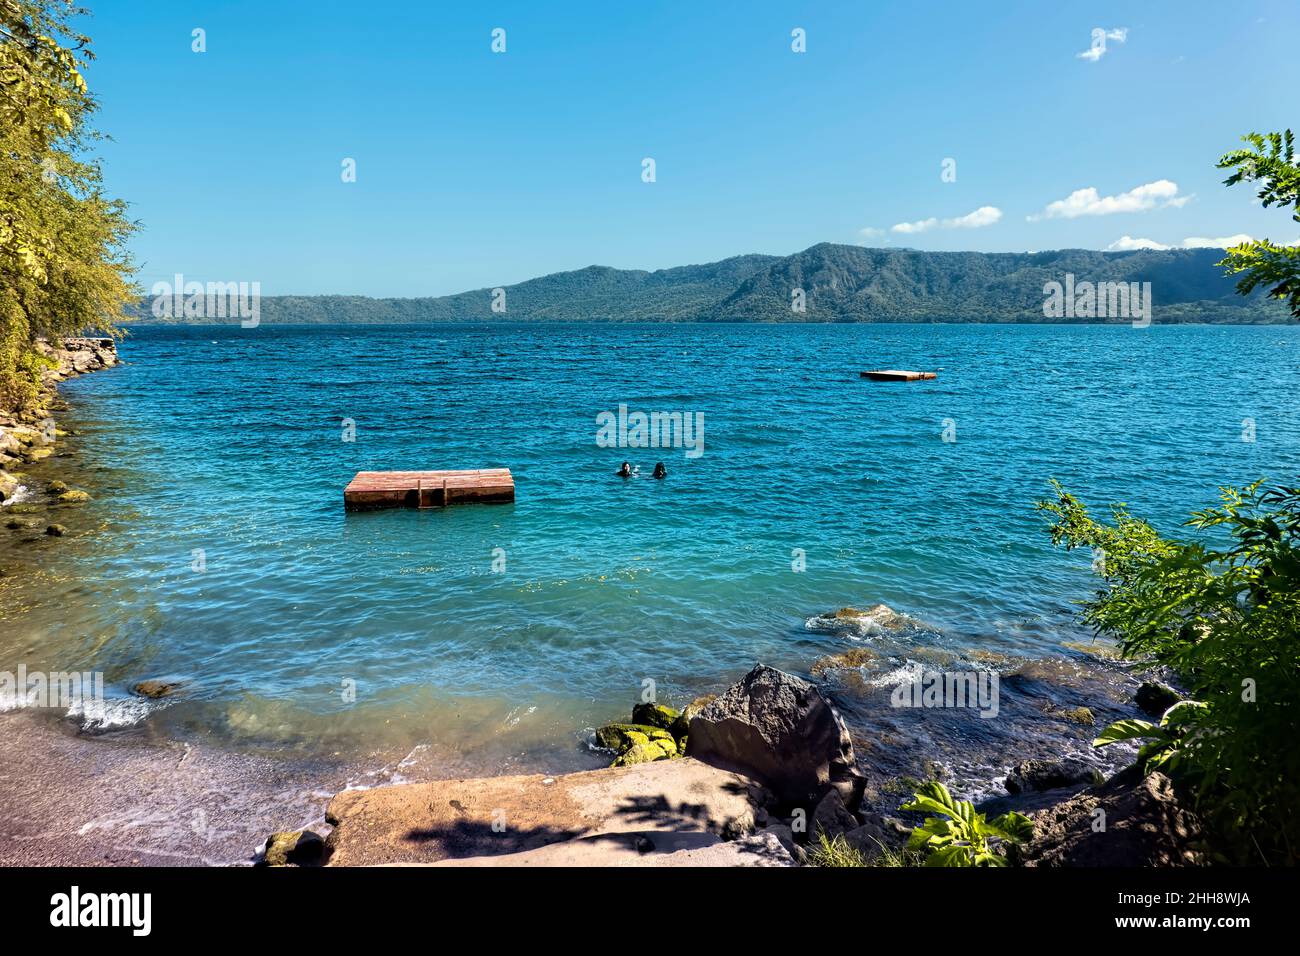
[28, 435]
[751, 777]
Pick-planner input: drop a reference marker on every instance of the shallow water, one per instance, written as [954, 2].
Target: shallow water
[229, 441]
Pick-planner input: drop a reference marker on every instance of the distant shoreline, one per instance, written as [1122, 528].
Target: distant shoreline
[825, 284]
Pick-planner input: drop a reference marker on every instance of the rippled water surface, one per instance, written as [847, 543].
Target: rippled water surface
[229, 441]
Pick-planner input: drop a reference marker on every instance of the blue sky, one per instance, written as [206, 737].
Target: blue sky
[477, 169]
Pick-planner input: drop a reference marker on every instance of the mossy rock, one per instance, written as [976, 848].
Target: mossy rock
[156, 689]
[56, 531]
[1078, 715]
[25, 508]
[57, 487]
[74, 497]
[622, 736]
[681, 746]
[854, 657]
[655, 715]
[651, 750]
[298, 848]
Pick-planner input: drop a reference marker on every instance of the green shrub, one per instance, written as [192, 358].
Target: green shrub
[957, 835]
[1223, 612]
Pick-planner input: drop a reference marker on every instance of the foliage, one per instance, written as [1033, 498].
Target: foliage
[957, 835]
[1272, 162]
[836, 852]
[1224, 614]
[63, 268]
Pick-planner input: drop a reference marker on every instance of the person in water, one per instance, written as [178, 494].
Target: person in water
[661, 471]
[625, 470]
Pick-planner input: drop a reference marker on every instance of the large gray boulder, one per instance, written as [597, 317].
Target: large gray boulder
[780, 730]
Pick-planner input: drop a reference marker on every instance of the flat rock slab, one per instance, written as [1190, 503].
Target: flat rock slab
[596, 813]
[690, 848]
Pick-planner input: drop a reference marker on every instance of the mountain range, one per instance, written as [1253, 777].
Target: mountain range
[840, 284]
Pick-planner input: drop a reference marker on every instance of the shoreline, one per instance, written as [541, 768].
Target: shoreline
[131, 819]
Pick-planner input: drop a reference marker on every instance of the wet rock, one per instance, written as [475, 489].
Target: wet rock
[57, 487]
[155, 689]
[56, 530]
[853, 658]
[8, 486]
[646, 751]
[1155, 698]
[74, 497]
[1146, 825]
[1078, 715]
[296, 848]
[781, 730]
[1032, 776]
[655, 715]
[620, 736]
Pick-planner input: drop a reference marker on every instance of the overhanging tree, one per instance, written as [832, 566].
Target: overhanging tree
[63, 264]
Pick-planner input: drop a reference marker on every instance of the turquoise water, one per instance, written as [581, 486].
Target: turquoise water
[230, 441]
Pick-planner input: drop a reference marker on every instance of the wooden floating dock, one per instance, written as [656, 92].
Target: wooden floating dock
[427, 489]
[896, 375]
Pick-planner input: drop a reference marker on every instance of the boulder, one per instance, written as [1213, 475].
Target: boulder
[296, 848]
[621, 736]
[1032, 776]
[831, 817]
[781, 730]
[681, 726]
[1155, 698]
[74, 497]
[645, 751]
[1145, 824]
[56, 531]
[655, 715]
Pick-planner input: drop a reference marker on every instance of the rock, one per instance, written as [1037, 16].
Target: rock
[831, 817]
[677, 804]
[781, 730]
[784, 835]
[155, 689]
[877, 834]
[8, 486]
[1032, 776]
[297, 848]
[621, 736]
[57, 487]
[647, 751]
[56, 531]
[74, 497]
[1078, 715]
[1155, 698]
[853, 658]
[681, 726]
[1145, 825]
[654, 715]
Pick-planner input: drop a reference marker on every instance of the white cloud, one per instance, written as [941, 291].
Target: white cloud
[1100, 38]
[871, 232]
[1088, 202]
[1223, 242]
[983, 216]
[1128, 243]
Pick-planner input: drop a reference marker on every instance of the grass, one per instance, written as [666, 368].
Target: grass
[837, 852]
